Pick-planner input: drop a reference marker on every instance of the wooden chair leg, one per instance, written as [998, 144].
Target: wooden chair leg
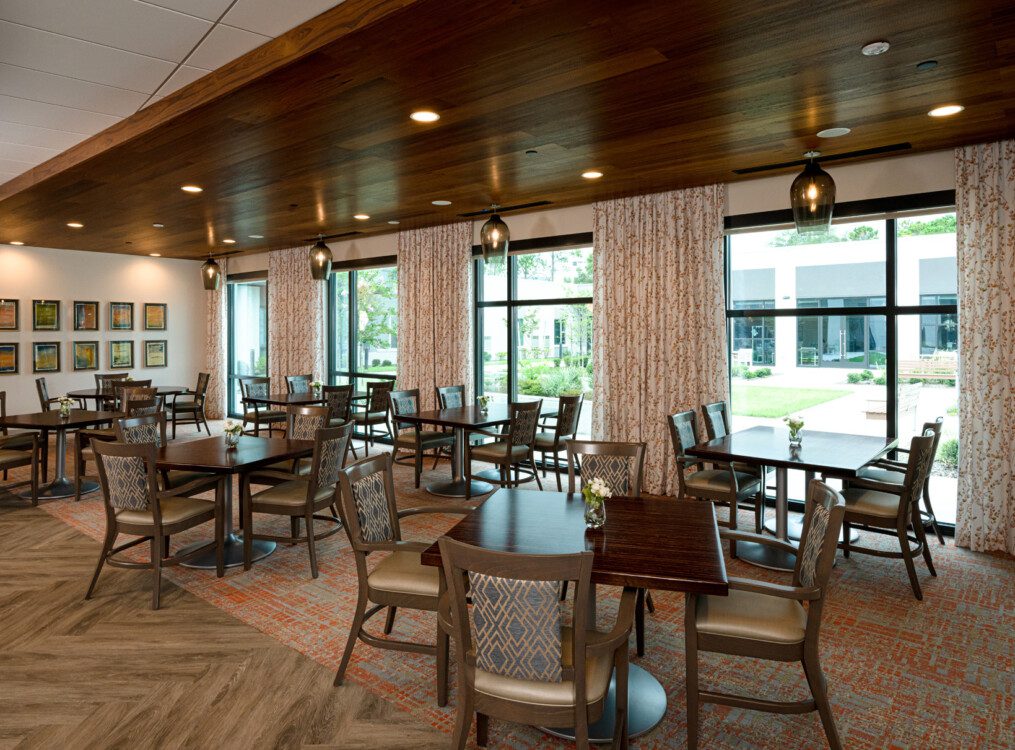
[733, 527]
[294, 529]
[357, 624]
[847, 533]
[930, 512]
[639, 622]
[556, 466]
[175, 419]
[418, 465]
[620, 666]
[389, 620]
[649, 604]
[248, 521]
[691, 669]
[220, 529]
[463, 717]
[482, 729]
[443, 657]
[816, 680]
[107, 544]
[311, 543]
[156, 569]
[535, 471]
[907, 556]
[921, 534]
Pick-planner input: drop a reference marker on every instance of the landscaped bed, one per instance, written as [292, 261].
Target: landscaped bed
[773, 402]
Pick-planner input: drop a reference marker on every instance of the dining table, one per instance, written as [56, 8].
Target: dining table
[835, 453]
[98, 394]
[213, 455]
[658, 544]
[308, 398]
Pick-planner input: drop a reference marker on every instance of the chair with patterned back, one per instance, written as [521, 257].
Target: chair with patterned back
[509, 449]
[518, 661]
[768, 621]
[256, 412]
[105, 384]
[302, 423]
[410, 436]
[188, 407]
[119, 388]
[371, 520]
[298, 383]
[338, 399]
[20, 449]
[375, 412]
[450, 396]
[140, 401]
[550, 442]
[136, 506]
[151, 429]
[893, 509]
[299, 496]
[721, 485]
[716, 417]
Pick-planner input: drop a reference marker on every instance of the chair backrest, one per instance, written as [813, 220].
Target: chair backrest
[936, 427]
[819, 538]
[367, 503]
[125, 389]
[524, 421]
[403, 402]
[105, 383]
[202, 386]
[149, 429]
[43, 391]
[569, 409]
[298, 383]
[717, 420]
[619, 465]
[254, 387]
[303, 422]
[683, 431]
[138, 402]
[331, 445]
[515, 626]
[377, 394]
[338, 399]
[921, 459]
[127, 476]
[450, 396]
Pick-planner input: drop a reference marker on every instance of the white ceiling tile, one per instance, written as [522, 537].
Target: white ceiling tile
[183, 75]
[271, 17]
[222, 45]
[12, 132]
[42, 115]
[17, 167]
[53, 53]
[207, 9]
[26, 154]
[7, 176]
[71, 92]
[123, 24]
[155, 98]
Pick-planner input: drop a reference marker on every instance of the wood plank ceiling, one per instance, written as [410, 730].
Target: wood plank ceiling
[297, 136]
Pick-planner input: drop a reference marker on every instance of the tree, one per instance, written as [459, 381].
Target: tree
[791, 238]
[376, 292]
[531, 265]
[938, 225]
[863, 232]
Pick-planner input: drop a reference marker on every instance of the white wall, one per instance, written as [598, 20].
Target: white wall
[28, 273]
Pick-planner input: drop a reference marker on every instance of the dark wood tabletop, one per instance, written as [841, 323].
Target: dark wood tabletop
[211, 454]
[462, 416]
[161, 390]
[297, 399]
[51, 420]
[659, 544]
[836, 453]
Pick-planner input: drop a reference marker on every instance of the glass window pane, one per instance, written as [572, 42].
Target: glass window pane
[927, 272]
[493, 280]
[550, 275]
[377, 320]
[249, 323]
[493, 369]
[340, 340]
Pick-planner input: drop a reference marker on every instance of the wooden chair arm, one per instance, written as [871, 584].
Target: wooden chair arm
[887, 463]
[871, 484]
[621, 627]
[747, 536]
[203, 484]
[774, 589]
[285, 476]
[434, 509]
[12, 442]
[400, 546]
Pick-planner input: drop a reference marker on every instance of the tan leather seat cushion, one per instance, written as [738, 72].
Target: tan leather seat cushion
[373, 416]
[871, 502]
[337, 422]
[403, 573]
[174, 510]
[545, 440]
[12, 458]
[428, 438]
[883, 475]
[756, 617]
[598, 670]
[718, 480]
[495, 452]
[179, 477]
[303, 466]
[189, 405]
[292, 494]
[264, 415]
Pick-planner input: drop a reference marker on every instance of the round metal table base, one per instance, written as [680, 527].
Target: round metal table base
[260, 549]
[646, 706]
[488, 474]
[457, 489]
[60, 488]
[794, 527]
[764, 556]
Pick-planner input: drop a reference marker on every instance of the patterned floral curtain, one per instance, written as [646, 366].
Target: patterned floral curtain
[985, 205]
[658, 318]
[435, 309]
[215, 352]
[297, 317]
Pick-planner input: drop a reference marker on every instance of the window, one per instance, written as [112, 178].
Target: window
[534, 324]
[364, 325]
[247, 335]
[855, 330]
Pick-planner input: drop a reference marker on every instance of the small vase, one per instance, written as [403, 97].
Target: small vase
[64, 411]
[595, 515]
[232, 438]
[795, 441]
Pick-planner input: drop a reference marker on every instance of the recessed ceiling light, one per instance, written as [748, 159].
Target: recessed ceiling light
[945, 110]
[592, 174]
[833, 132]
[874, 49]
[75, 224]
[393, 221]
[155, 255]
[361, 217]
[17, 242]
[191, 188]
[425, 115]
[157, 225]
[441, 203]
[229, 241]
[256, 236]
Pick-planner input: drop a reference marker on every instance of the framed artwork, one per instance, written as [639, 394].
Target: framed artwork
[9, 315]
[155, 353]
[121, 316]
[8, 359]
[86, 355]
[154, 316]
[121, 355]
[45, 315]
[46, 356]
[86, 316]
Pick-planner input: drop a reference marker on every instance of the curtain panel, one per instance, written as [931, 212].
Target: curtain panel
[297, 317]
[659, 318]
[216, 347]
[985, 207]
[435, 309]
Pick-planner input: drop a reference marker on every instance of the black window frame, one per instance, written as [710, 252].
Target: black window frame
[231, 376]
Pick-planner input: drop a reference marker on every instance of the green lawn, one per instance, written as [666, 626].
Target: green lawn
[766, 401]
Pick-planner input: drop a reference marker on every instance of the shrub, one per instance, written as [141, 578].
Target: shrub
[487, 356]
[881, 379]
[750, 374]
[763, 372]
[739, 371]
[953, 411]
[864, 376]
[948, 452]
[386, 363]
[375, 363]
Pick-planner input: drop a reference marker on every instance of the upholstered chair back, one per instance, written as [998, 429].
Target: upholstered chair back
[149, 429]
[330, 446]
[524, 421]
[619, 465]
[569, 409]
[305, 421]
[450, 396]
[338, 399]
[377, 394]
[683, 431]
[202, 386]
[255, 387]
[367, 497]
[716, 417]
[126, 474]
[403, 402]
[298, 383]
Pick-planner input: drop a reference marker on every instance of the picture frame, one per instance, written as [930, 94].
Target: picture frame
[86, 316]
[155, 316]
[121, 355]
[121, 316]
[45, 315]
[155, 353]
[85, 355]
[9, 359]
[10, 320]
[46, 356]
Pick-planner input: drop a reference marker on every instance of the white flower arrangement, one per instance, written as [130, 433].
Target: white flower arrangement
[65, 400]
[595, 494]
[317, 384]
[233, 428]
[483, 401]
[795, 424]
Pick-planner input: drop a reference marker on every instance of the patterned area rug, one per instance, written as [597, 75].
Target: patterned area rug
[901, 673]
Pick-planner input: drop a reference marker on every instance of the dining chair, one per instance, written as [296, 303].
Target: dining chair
[338, 399]
[375, 412]
[450, 396]
[518, 661]
[105, 384]
[410, 436]
[894, 509]
[299, 496]
[135, 506]
[259, 414]
[298, 383]
[556, 430]
[45, 402]
[721, 485]
[302, 423]
[150, 429]
[371, 520]
[188, 407]
[138, 390]
[509, 449]
[21, 449]
[716, 417]
[769, 621]
[136, 402]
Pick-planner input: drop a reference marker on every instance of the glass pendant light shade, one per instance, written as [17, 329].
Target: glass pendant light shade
[211, 274]
[813, 198]
[494, 238]
[320, 261]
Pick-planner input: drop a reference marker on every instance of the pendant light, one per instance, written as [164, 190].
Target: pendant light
[494, 237]
[320, 259]
[812, 197]
[211, 274]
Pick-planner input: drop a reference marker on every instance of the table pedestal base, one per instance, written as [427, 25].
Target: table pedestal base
[795, 526]
[233, 553]
[646, 705]
[456, 489]
[765, 557]
[60, 487]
